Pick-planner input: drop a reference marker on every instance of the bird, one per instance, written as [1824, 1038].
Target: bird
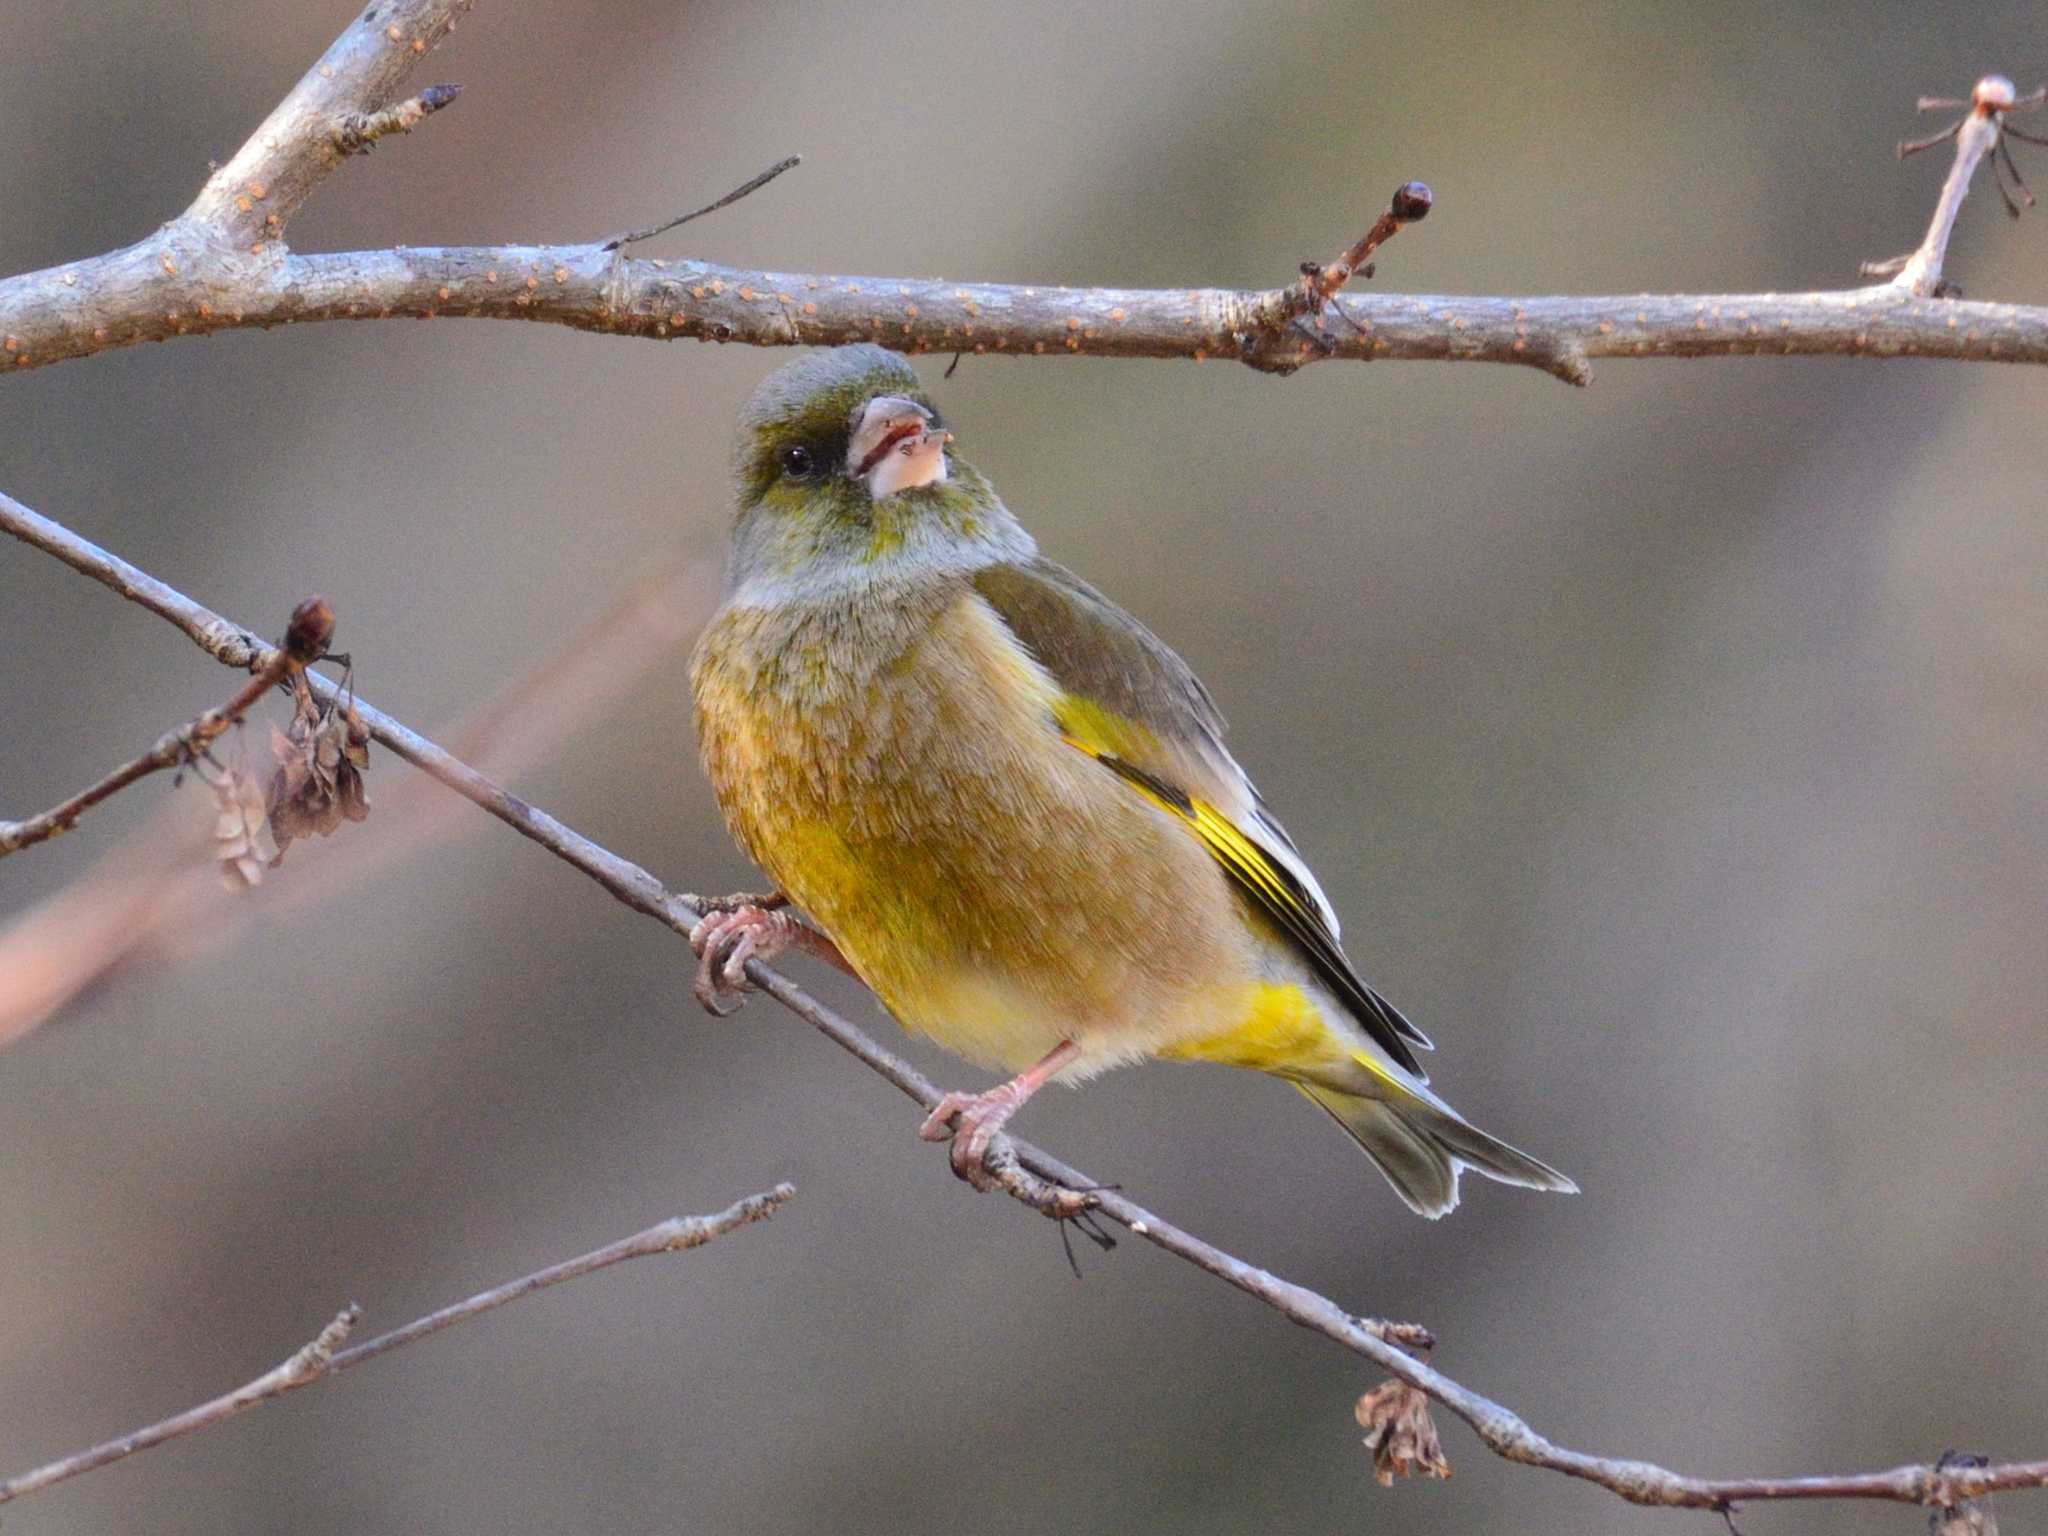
[1005, 805]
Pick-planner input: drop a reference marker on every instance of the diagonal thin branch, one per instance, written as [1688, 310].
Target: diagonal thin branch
[1035, 1177]
[325, 1357]
[306, 1366]
[147, 901]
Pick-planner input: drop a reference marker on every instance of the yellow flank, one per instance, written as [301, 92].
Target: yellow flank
[1281, 1031]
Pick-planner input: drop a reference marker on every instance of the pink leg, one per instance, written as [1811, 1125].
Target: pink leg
[981, 1115]
[736, 929]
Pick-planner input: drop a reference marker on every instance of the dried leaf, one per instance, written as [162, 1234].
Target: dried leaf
[1970, 1517]
[357, 746]
[1400, 1433]
[242, 837]
[320, 756]
[1967, 1517]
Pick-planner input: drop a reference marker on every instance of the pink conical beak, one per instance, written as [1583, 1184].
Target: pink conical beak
[896, 447]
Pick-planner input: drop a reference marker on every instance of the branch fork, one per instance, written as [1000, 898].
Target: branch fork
[1278, 337]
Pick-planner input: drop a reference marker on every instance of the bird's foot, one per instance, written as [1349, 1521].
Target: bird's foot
[732, 931]
[973, 1119]
[979, 1117]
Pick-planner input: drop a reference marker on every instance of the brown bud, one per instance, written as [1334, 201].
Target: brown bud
[312, 626]
[1412, 201]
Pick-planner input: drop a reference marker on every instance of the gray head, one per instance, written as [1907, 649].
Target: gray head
[845, 474]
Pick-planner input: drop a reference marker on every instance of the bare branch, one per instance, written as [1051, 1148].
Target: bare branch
[223, 265]
[89, 307]
[355, 135]
[305, 641]
[1035, 1177]
[324, 1357]
[1321, 280]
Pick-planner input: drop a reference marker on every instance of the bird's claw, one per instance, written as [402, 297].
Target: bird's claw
[731, 932]
[980, 1116]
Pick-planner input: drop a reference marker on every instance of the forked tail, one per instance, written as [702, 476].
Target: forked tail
[1420, 1144]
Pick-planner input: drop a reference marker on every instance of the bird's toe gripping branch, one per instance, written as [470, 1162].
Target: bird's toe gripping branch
[733, 930]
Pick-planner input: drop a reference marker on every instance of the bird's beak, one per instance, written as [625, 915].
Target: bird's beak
[896, 446]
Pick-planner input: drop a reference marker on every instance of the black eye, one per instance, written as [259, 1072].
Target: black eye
[796, 460]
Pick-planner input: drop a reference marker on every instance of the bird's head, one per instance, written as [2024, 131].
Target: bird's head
[844, 464]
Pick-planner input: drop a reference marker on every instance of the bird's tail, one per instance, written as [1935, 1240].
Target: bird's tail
[1420, 1143]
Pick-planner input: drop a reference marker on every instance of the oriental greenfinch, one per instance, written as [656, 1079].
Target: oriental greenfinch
[1005, 805]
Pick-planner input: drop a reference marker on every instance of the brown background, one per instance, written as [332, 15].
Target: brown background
[1673, 748]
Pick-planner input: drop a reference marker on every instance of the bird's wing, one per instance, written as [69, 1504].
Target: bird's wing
[1135, 707]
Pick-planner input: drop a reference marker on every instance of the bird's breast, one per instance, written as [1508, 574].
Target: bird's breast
[898, 774]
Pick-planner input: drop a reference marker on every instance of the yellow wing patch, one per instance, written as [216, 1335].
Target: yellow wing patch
[1089, 728]
[1100, 732]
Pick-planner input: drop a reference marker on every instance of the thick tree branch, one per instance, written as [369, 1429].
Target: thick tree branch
[325, 1357]
[69, 312]
[223, 265]
[1035, 1177]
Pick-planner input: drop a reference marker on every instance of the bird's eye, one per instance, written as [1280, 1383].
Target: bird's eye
[796, 460]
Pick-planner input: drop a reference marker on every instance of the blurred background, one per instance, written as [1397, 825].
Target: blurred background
[1673, 749]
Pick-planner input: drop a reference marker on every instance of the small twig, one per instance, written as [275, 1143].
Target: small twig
[305, 641]
[745, 189]
[324, 1357]
[1320, 281]
[315, 1360]
[1966, 1517]
[1979, 135]
[356, 134]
